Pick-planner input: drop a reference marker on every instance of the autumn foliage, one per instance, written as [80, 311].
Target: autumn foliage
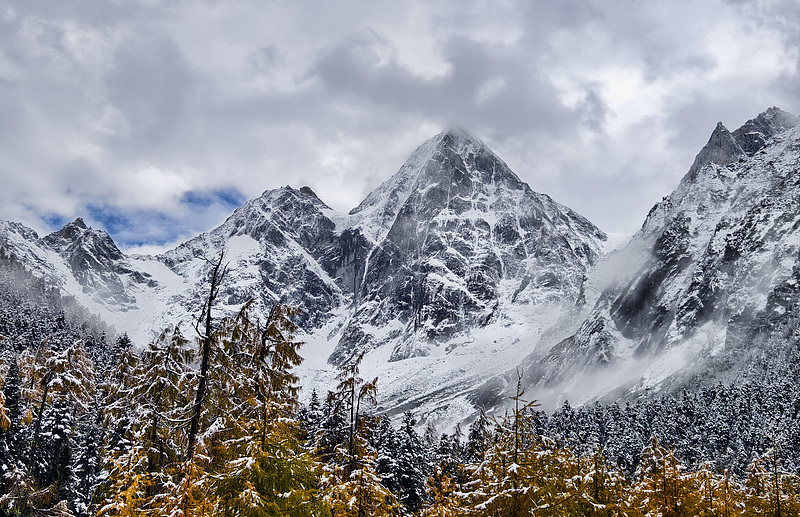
[133, 438]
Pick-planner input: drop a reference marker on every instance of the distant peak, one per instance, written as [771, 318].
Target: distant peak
[460, 137]
[288, 192]
[79, 223]
[307, 191]
[278, 192]
[775, 111]
[754, 134]
[784, 119]
[457, 132]
[722, 149]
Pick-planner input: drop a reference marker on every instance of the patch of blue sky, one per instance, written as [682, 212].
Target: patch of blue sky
[231, 197]
[55, 221]
[199, 211]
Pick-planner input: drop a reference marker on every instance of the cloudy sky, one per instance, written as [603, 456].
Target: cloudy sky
[154, 119]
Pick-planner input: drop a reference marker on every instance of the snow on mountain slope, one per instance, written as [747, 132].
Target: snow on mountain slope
[455, 240]
[453, 275]
[446, 274]
[130, 293]
[280, 247]
[704, 266]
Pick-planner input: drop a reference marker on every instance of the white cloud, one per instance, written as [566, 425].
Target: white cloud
[603, 105]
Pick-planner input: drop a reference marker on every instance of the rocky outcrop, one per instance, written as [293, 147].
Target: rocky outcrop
[455, 236]
[713, 261]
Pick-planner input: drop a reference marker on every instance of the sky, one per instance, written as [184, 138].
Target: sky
[154, 119]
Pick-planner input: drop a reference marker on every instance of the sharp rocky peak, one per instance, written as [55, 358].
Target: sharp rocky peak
[88, 251]
[453, 157]
[459, 138]
[721, 149]
[754, 134]
[70, 230]
[725, 147]
[302, 195]
[77, 233]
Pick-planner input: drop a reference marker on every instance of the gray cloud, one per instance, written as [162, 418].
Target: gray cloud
[134, 106]
[151, 85]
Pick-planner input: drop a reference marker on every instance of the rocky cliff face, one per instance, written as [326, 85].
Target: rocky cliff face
[280, 247]
[450, 241]
[717, 255]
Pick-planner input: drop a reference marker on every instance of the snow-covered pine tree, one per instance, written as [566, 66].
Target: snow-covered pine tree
[310, 417]
[12, 440]
[351, 486]
[144, 411]
[404, 463]
[257, 464]
[477, 438]
[86, 463]
[59, 387]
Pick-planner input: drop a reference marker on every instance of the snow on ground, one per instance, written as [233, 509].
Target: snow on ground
[340, 220]
[436, 387]
[616, 241]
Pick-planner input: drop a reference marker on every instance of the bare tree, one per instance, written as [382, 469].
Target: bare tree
[206, 339]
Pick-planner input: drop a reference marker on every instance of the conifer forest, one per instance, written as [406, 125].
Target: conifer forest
[212, 424]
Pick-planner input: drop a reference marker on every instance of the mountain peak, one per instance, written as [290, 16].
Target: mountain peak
[453, 157]
[458, 134]
[754, 134]
[287, 192]
[721, 149]
[70, 231]
[461, 141]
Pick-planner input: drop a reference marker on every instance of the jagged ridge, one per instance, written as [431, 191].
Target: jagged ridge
[706, 264]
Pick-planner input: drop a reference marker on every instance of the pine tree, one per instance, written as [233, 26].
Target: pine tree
[17, 485]
[11, 435]
[256, 457]
[64, 378]
[351, 486]
[403, 465]
[477, 439]
[310, 418]
[147, 407]
[87, 463]
[56, 388]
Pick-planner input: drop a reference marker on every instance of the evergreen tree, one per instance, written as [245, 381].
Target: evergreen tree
[257, 461]
[145, 409]
[414, 466]
[87, 463]
[477, 439]
[11, 434]
[351, 485]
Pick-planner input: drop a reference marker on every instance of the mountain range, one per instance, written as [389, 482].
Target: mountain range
[453, 278]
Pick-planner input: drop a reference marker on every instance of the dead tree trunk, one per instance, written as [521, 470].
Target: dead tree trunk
[206, 343]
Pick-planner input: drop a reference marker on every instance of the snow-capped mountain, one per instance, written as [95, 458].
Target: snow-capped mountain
[453, 275]
[713, 271]
[453, 239]
[443, 276]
